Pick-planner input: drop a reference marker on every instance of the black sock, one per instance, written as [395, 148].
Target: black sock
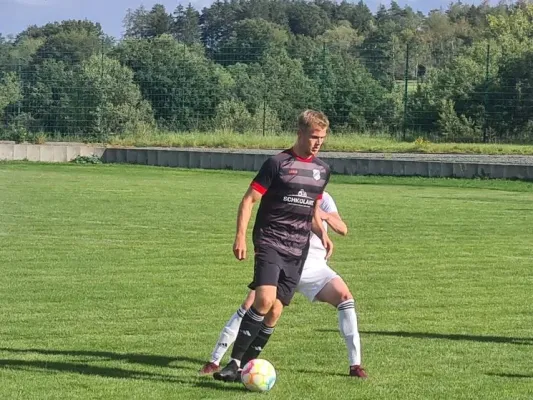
[250, 326]
[258, 344]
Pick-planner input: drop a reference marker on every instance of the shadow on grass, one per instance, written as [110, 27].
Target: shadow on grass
[446, 336]
[145, 359]
[514, 376]
[82, 368]
[317, 372]
[107, 372]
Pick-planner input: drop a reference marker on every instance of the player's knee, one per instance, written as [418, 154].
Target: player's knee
[271, 319]
[263, 304]
[344, 296]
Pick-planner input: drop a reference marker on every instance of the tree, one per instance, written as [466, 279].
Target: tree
[136, 23]
[186, 25]
[49, 97]
[278, 82]
[143, 24]
[56, 28]
[342, 37]
[69, 41]
[511, 96]
[159, 21]
[217, 23]
[181, 84]
[307, 19]
[10, 92]
[250, 40]
[111, 101]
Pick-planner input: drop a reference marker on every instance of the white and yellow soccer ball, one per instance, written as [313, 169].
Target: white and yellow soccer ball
[258, 375]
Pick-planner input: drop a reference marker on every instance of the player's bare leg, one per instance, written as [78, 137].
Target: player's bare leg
[227, 336]
[337, 293]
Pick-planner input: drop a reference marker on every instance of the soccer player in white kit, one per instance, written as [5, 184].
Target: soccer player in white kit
[318, 283]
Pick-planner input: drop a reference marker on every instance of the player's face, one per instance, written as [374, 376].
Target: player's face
[311, 141]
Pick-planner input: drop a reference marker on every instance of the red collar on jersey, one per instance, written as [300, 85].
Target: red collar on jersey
[308, 159]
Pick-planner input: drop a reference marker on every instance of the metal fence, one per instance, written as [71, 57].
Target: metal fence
[403, 90]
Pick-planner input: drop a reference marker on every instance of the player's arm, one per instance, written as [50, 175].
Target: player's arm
[334, 220]
[243, 218]
[257, 189]
[318, 229]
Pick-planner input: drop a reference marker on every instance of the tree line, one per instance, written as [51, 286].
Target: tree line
[463, 73]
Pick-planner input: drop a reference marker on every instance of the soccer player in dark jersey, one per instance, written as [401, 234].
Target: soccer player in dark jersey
[289, 186]
[319, 283]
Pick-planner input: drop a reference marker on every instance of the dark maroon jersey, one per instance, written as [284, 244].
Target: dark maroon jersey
[290, 185]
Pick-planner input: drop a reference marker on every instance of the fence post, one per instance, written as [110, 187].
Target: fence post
[393, 70]
[486, 97]
[406, 89]
[21, 86]
[101, 111]
[264, 113]
[323, 76]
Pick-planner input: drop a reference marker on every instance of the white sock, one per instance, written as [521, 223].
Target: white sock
[349, 330]
[227, 336]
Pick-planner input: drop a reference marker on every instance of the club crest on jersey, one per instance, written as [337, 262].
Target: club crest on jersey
[316, 174]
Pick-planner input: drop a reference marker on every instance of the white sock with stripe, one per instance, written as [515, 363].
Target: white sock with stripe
[227, 336]
[349, 330]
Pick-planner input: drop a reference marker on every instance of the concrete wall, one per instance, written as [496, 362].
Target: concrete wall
[52, 152]
[251, 160]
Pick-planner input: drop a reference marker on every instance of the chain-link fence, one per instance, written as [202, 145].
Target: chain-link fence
[390, 88]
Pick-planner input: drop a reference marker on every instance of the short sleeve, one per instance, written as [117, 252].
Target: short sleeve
[328, 174]
[328, 204]
[266, 175]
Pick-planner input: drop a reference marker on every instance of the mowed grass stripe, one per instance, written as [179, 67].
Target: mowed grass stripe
[117, 280]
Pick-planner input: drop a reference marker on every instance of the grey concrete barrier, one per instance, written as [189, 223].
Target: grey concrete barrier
[424, 165]
[49, 152]
[390, 164]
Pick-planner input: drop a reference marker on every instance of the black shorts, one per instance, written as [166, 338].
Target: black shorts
[275, 269]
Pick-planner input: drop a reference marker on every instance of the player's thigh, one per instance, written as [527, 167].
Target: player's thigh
[266, 268]
[315, 276]
[334, 292]
[266, 277]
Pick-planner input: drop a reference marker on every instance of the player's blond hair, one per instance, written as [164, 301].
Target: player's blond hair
[311, 119]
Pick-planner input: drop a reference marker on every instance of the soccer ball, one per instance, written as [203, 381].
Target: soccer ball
[258, 375]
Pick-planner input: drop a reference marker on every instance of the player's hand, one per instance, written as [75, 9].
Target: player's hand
[239, 248]
[328, 245]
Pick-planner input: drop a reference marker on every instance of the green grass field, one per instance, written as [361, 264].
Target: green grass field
[117, 279]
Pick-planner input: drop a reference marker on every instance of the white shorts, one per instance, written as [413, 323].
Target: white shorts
[316, 274]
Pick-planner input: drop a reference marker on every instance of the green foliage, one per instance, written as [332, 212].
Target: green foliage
[233, 116]
[250, 41]
[456, 127]
[186, 25]
[10, 91]
[92, 159]
[220, 68]
[113, 102]
[307, 19]
[181, 84]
